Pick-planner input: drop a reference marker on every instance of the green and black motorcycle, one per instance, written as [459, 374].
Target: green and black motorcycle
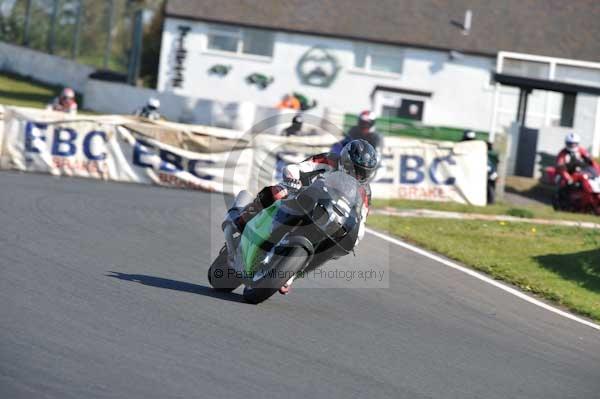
[294, 235]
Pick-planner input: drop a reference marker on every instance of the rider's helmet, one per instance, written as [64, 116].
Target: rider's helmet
[572, 142]
[67, 94]
[469, 135]
[366, 120]
[360, 160]
[153, 103]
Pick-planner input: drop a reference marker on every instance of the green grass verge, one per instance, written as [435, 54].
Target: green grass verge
[24, 92]
[21, 91]
[529, 211]
[561, 264]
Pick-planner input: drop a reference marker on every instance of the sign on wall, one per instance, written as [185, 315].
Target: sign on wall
[317, 67]
[180, 56]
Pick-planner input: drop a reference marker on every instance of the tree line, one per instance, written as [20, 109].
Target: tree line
[94, 32]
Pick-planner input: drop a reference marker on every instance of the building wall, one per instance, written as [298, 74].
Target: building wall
[462, 95]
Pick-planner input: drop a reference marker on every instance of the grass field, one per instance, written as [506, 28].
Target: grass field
[561, 264]
[23, 92]
[525, 211]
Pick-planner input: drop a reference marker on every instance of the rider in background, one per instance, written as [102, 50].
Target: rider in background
[150, 110]
[364, 130]
[571, 158]
[65, 102]
[358, 159]
[289, 101]
[295, 129]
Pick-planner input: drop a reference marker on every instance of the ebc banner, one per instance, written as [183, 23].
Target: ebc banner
[434, 171]
[102, 148]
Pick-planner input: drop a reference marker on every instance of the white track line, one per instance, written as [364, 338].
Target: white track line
[483, 278]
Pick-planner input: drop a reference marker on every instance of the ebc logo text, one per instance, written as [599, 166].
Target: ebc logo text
[64, 141]
[144, 153]
[413, 170]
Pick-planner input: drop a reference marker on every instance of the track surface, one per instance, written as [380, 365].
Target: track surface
[103, 294]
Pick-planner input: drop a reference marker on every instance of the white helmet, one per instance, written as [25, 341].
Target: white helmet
[572, 141]
[68, 93]
[153, 103]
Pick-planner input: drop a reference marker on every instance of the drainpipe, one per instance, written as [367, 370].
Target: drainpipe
[596, 137]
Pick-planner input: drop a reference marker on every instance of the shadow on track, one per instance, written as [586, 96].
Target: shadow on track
[177, 286]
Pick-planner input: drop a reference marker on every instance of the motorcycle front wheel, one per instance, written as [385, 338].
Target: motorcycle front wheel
[288, 265]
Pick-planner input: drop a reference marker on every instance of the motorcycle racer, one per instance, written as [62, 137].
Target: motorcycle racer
[150, 110]
[65, 102]
[570, 158]
[358, 158]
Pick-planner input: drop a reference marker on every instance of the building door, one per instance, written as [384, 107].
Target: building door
[526, 152]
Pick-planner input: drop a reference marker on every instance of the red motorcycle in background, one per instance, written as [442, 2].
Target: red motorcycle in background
[581, 196]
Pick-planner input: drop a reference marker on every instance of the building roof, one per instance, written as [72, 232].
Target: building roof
[558, 28]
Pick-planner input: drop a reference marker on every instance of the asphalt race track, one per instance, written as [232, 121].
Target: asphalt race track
[104, 294]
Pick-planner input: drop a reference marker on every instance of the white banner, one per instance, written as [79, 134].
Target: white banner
[433, 170]
[212, 159]
[104, 148]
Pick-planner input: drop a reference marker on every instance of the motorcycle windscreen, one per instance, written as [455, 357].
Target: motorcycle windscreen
[344, 191]
[256, 233]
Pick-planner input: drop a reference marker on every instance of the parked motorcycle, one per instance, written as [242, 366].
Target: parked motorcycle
[294, 235]
[581, 196]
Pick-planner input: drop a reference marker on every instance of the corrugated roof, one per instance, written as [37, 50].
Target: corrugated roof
[558, 28]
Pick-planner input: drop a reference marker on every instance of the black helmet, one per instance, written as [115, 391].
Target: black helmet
[359, 159]
[297, 120]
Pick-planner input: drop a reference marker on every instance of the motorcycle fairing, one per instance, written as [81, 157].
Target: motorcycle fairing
[256, 233]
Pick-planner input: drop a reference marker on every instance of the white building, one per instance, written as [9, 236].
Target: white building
[417, 59]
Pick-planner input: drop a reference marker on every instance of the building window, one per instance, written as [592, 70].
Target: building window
[240, 40]
[377, 58]
[407, 109]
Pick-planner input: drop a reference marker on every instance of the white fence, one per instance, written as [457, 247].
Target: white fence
[118, 98]
[130, 150]
[43, 67]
